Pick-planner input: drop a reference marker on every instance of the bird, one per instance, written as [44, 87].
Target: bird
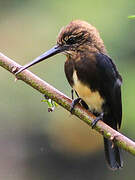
[93, 76]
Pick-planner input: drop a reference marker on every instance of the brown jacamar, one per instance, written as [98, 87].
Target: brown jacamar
[93, 76]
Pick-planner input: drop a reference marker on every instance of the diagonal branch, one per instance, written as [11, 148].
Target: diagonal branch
[64, 101]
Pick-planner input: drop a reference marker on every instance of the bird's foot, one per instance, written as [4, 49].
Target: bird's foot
[100, 117]
[74, 103]
[77, 101]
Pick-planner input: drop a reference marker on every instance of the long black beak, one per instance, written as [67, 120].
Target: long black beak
[53, 51]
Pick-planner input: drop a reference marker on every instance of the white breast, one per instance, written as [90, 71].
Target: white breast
[93, 99]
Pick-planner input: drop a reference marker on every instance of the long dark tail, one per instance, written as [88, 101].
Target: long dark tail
[112, 152]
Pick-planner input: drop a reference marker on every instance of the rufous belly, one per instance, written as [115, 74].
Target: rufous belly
[92, 98]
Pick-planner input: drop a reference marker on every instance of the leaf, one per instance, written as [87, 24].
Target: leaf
[131, 17]
[51, 104]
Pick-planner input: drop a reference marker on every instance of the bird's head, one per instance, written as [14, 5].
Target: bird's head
[77, 36]
[80, 36]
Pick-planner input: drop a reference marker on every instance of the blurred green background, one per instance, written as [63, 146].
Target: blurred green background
[35, 144]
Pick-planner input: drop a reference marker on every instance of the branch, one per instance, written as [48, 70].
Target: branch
[64, 101]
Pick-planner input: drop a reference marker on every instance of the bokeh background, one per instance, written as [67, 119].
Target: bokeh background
[35, 144]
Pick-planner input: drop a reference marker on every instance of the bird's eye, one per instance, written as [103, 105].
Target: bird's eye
[71, 40]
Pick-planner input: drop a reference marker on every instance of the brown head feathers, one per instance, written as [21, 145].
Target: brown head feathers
[80, 35]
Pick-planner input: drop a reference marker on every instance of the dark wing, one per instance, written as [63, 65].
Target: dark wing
[111, 85]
